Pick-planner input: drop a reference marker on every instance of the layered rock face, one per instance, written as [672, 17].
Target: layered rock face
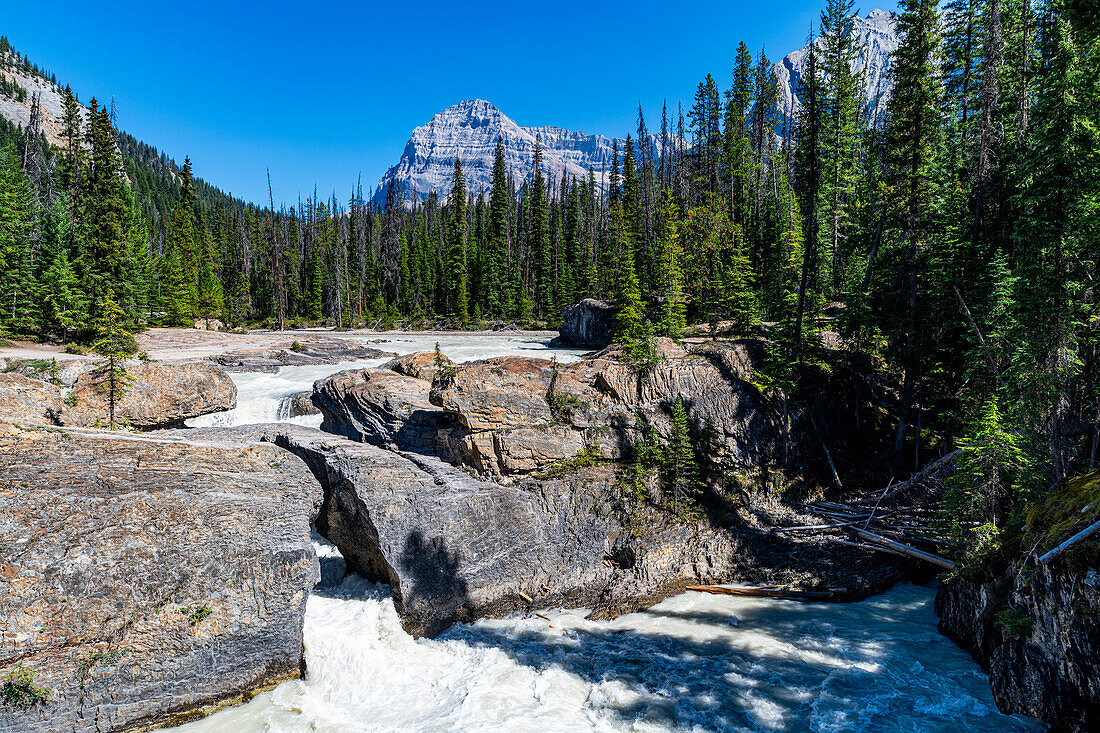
[155, 396]
[159, 396]
[588, 324]
[456, 548]
[463, 494]
[1050, 671]
[142, 579]
[23, 399]
[1034, 626]
[514, 415]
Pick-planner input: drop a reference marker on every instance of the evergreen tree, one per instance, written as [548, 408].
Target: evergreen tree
[912, 131]
[18, 285]
[841, 127]
[115, 344]
[680, 460]
[107, 212]
[458, 296]
[497, 249]
[539, 239]
[674, 315]
[63, 305]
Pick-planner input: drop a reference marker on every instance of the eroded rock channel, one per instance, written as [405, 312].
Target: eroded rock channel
[154, 576]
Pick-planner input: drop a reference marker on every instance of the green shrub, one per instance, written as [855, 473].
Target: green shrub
[76, 349]
[19, 690]
[588, 457]
[1015, 622]
[296, 347]
[196, 614]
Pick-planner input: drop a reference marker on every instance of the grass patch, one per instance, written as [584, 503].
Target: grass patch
[196, 614]
[1065, 512]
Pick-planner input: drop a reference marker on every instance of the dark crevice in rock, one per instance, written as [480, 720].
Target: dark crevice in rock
[344, 520]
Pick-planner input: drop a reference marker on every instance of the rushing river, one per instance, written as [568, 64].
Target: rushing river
[695, 662]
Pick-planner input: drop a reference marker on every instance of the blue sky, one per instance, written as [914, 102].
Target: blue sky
[323, 92]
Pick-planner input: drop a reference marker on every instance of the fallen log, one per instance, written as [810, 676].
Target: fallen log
[1083, 534]
[903, 549]
[815, 526]
[767, 592]
[930, 468]
[865, 546]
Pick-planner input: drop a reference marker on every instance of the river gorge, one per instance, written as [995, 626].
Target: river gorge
[693, 662]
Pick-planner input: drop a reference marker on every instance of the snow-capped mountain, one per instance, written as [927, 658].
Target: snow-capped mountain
[470, 130]
[878, 35]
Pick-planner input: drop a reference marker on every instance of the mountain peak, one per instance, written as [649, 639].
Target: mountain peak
[877, 33]
[469, 131]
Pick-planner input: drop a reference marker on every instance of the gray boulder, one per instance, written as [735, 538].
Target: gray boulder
[588, 324]
[158, 396]
[142, 579]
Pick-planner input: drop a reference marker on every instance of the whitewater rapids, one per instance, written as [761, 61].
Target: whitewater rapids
[695, 662]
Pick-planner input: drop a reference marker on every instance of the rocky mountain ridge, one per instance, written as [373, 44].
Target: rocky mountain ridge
[17, 108]
[469, 130]
[877, 33]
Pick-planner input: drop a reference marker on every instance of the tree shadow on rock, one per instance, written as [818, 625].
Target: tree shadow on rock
[434, 592]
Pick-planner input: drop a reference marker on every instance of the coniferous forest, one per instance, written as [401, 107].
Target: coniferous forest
[953, 242]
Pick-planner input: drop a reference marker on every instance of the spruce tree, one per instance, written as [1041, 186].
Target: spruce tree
[841, 127]
[497, 250]
[115, 344]
[458, 301]
[674, 314]
[539, 239]
[630, 327]
[911, 135]
[680, 461]
[107, 212]
[63, 305]
[18, 285]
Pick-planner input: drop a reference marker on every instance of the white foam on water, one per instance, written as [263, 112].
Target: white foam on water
[264, 398]
[695, 662]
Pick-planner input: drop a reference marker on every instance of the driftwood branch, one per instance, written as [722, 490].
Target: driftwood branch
[930, 468]
[766, 592]
[903, 549]
[815, 526]
[1087, 532]
[865, 546]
